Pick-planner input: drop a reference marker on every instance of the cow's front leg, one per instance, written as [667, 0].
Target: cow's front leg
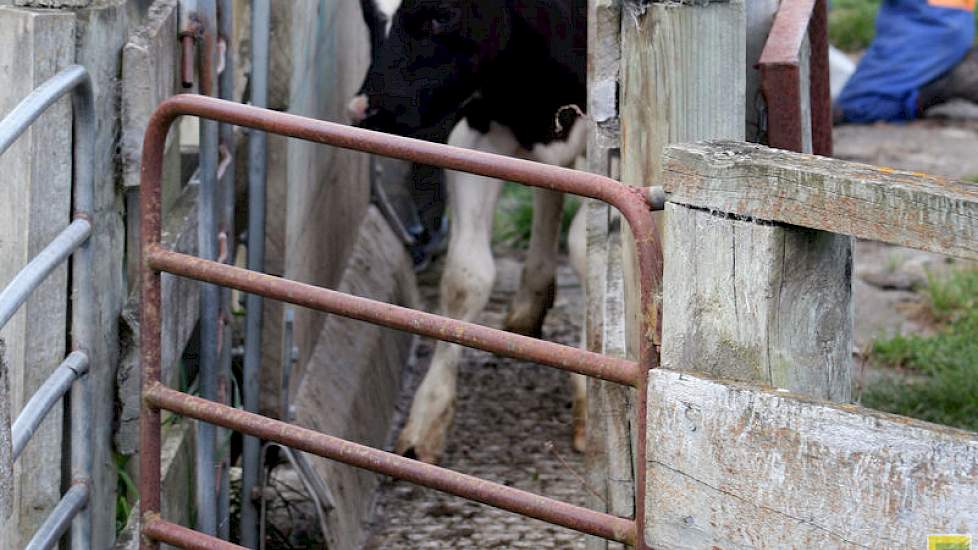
[538, 283]
[465, 287]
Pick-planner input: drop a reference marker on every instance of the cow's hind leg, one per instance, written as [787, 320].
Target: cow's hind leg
[465, 287]
[537, 284]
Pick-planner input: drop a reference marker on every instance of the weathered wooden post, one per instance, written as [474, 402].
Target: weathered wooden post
[749, 299]
[658, 73]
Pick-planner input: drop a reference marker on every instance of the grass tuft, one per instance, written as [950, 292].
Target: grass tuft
[513, 222]
[852, 24]
[946, 391]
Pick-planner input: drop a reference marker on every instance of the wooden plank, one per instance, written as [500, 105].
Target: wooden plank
[608, 458]
[669, 50]
[898, 207]
[758, 302]
[6, 442]
[739, 466]
[181, 310]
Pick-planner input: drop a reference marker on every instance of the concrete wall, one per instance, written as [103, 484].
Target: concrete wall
[349, 388]
[320, 47]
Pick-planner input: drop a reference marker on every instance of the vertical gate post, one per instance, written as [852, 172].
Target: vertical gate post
[681, 76]
[608, 456]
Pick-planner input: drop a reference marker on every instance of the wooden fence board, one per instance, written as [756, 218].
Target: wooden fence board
[737, 466]
[898, 207]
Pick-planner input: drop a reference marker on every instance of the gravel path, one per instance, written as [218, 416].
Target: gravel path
[512, 425]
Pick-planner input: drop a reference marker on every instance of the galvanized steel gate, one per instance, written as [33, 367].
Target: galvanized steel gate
[634, 204]
[73, 241]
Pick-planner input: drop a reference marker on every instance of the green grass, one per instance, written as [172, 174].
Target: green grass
[946, 390]
[852, 23]
[126, 491]
[514, 216]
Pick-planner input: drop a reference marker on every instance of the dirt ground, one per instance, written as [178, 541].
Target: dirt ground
[512, 425]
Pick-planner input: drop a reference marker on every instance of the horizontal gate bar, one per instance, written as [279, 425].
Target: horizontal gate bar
[37, 270]
[181, 537]
[585, 362]
[494, 494]
[36, 103]
[57, 523]
[52, 390]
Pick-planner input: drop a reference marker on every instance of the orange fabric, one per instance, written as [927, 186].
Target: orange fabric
[967, 5]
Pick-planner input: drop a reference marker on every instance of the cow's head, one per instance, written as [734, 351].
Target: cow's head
[428, 64]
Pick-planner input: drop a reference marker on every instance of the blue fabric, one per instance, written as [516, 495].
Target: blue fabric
[915, 43]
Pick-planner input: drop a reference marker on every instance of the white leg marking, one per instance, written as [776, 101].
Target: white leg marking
[465, 287]
[577, 248]
[356, 109]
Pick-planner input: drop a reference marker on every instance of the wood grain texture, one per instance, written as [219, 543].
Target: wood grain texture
[608, 458]
[898, 207]
[758, 302]
[736, 466]
[35, 201]
[682, 79]
[669, 50]
[6, 442]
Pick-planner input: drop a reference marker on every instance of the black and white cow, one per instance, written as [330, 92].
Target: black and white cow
[502, 76]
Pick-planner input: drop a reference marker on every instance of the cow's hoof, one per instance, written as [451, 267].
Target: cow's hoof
[418, 451]
[579, 415]
[580, 438]
[425, 441]
[529, 309]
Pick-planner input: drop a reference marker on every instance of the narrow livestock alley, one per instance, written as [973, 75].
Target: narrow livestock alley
[512, 426]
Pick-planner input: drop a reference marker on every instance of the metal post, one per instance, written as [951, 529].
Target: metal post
[84, 310]
[257, 175]
[226, 184]
[210, 295]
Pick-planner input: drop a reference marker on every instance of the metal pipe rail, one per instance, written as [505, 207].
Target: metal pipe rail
[254, 308]
[632, 202]
[51, 391]
[73, 241]
[781, 79]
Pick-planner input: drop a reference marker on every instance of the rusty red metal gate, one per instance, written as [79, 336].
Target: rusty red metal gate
[632, 202]
[783, 84]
